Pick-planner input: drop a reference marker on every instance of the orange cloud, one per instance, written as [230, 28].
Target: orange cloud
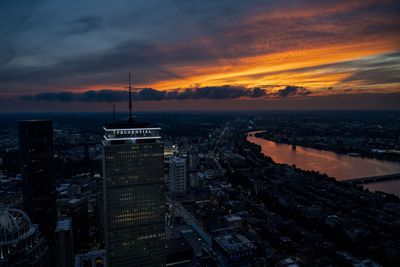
[280, 68]
[301, 45]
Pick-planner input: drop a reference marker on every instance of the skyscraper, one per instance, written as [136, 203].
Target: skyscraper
[64, 242]
[177, 175]
[77, 210]
[134, 194]
[36, 149]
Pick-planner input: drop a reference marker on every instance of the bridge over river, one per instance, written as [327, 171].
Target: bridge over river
[373, 179]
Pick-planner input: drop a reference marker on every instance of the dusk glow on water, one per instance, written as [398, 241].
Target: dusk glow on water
[342, 167]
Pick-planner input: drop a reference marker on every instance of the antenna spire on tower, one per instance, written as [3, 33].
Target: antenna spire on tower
[130, 98]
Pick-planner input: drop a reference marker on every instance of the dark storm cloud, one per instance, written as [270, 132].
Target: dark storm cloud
[6, 55]
[101, 40]
[85, 24]
[292, 91]
[146, 36]
[375, 101]
[375, 76]
[150, 94]
[146, 59]
[377, 70]
[66, 45]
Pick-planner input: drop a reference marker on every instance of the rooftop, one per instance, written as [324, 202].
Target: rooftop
[233, 241]
[63, 224]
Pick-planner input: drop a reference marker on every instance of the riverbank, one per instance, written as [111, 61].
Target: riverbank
[342, 167]
[336, 147]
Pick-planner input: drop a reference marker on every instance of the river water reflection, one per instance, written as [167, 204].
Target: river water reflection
[342, 167]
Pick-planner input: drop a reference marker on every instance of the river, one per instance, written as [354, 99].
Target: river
[342, 167]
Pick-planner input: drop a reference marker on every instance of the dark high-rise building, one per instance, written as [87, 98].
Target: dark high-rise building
[36, 149]
[64, 243]
[133, 169]
[77, 210]
[134, 194]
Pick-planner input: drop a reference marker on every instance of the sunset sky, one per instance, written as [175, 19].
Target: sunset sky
[206, 55]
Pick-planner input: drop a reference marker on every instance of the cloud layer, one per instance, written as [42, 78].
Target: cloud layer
[150, 94]
[293, 90]
[48, 48]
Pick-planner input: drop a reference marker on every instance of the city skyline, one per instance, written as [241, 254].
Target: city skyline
[199, 55]
[199, 133]
[245, 189]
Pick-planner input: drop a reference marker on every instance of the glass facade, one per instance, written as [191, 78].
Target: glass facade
[36, 151]
[21, 243]
[177, 173]
[133, 168]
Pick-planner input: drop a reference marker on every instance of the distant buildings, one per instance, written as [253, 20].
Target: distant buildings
[235, 249]
[77, 210]
[64, 243]
[36, 149]
[94, 258]
[80, 198]
[21, 243]
[177, 175]
[134, 195]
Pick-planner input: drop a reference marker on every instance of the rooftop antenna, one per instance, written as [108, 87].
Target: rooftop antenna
[130, 99]
[114, 113]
